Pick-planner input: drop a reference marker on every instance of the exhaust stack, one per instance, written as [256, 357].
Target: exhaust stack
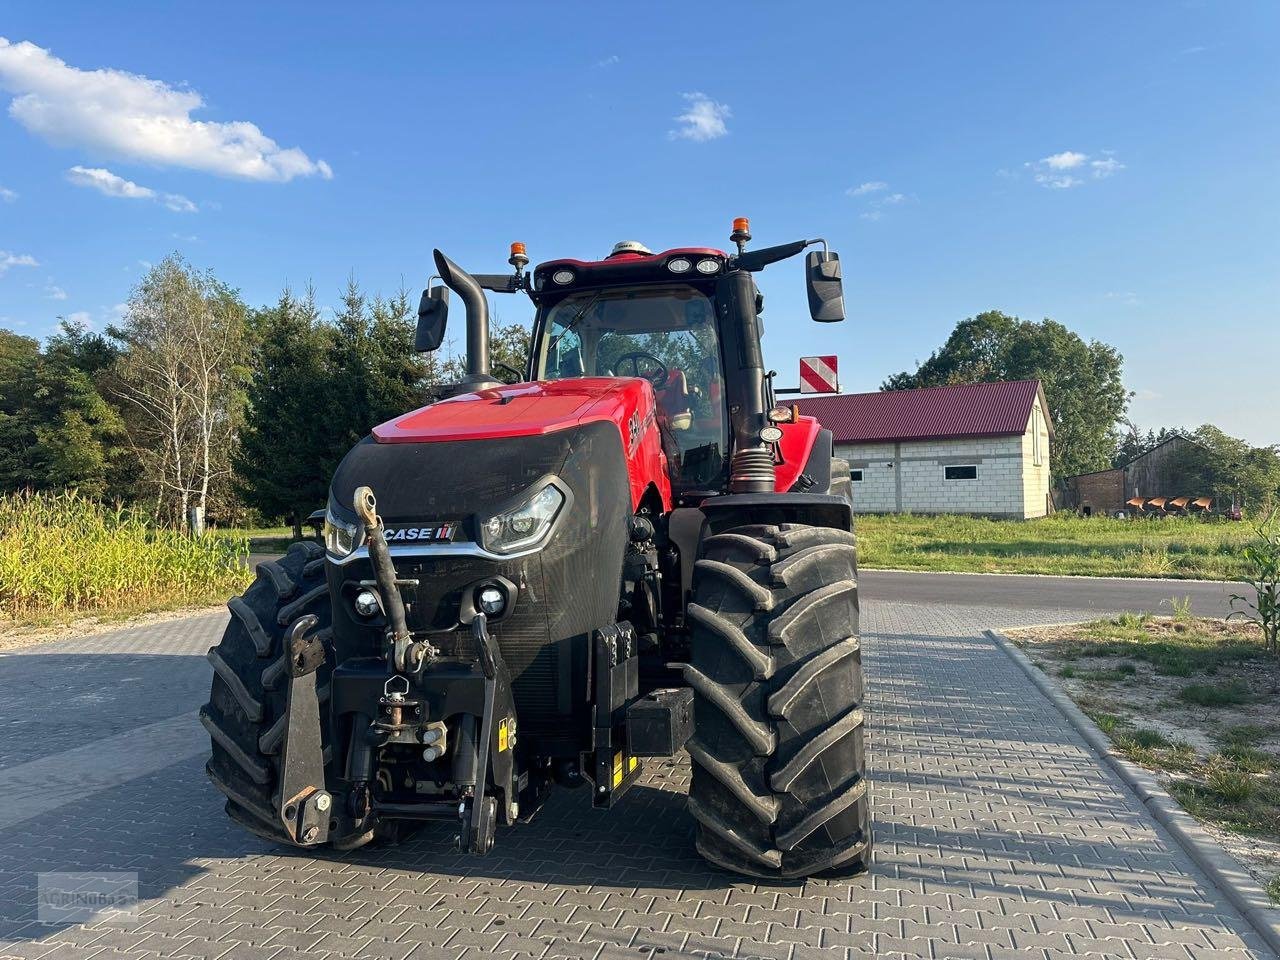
[469, 290]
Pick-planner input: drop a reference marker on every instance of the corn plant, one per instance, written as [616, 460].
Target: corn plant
[1262, 561]
[65, 555]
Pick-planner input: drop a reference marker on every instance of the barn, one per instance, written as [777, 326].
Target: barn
[976, 448]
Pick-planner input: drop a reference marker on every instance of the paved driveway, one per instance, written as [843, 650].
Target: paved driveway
[999, 833]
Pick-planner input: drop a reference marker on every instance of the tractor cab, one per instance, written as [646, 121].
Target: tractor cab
[657, 322]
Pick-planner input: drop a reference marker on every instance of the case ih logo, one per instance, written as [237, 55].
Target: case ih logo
[440, 534]
[818, 375]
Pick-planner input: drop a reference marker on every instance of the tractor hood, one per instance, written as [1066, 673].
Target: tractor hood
[518, 410]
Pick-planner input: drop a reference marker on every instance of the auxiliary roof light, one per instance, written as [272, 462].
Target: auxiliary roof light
[563, 276]
[708, 266]
[679, 265]
[518, 259]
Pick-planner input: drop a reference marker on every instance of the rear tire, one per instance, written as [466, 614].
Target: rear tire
[245, 712]
[779, 765]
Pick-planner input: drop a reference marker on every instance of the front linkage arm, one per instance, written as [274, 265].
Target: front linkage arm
[404, 654]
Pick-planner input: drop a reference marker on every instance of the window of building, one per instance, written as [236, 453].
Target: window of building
[966, 472]
[1037, 447]
[855, 476]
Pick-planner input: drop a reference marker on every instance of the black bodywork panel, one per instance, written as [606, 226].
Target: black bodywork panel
[564, 591]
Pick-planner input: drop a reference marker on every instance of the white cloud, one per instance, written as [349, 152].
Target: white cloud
[703, 119]
[178, 203]
[608, 61]
[55, 292]
[108, 183]
[81, 317]
[104, 181]
[7, 195]
[133, 116]
[8, 260]
[871, 186]
[1104, 168]
[1070, 168]
[1066, 160]
[876, 198]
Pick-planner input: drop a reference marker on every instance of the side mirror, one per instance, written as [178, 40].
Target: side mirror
[433, 311]
[826, 294]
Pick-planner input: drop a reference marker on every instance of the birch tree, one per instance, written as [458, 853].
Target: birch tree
[181, 375]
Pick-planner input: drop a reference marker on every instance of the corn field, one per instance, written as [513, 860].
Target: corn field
[65, 555]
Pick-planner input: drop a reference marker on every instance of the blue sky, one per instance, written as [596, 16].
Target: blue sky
[1111, 166]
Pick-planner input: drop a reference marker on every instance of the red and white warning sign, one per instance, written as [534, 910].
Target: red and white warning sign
[818, 375]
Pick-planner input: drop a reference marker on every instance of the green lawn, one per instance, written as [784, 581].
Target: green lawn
[262, 539]
[1061, 544]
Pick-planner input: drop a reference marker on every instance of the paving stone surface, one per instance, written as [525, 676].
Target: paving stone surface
[999, 835]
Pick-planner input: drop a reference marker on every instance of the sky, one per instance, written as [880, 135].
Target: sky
[1115, 167]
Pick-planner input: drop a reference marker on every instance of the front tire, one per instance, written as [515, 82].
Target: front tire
[245, 715]
[779, 784]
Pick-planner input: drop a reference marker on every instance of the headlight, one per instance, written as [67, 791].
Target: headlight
[340, 537]
[525, 525]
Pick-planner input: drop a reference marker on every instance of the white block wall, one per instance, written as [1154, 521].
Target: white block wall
[909, 477]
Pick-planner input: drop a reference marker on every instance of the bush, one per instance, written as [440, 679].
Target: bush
[64, 555]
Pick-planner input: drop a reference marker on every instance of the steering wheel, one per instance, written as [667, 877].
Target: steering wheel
[656, 376]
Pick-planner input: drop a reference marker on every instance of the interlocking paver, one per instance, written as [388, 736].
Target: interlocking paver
[999, 834]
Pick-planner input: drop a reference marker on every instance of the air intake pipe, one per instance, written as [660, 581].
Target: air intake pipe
[470, 292]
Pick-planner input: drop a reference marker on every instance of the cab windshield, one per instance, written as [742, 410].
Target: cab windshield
[665, 334]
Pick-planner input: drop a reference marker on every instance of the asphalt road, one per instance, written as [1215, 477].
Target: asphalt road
[1208, 598]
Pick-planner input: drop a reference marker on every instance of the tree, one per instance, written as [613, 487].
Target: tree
[1230, 470]
[1134, 443]
[1082, 380]
[56, 429]
[281, 464]
[181, 374]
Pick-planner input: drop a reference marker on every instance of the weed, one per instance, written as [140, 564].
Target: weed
[1249, 759]
[1181, 609]
[1229, 781]
[1246, 734]
[1273, 889]
[1108, 723]
[1216, 695]
[1144, 737]
[1121, 671]
[1067, 672]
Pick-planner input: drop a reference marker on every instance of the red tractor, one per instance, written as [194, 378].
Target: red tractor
[631, 552]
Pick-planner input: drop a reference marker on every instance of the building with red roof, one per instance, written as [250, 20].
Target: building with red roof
[978, 448]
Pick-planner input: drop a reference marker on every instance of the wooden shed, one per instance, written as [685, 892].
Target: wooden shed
[1153, 474]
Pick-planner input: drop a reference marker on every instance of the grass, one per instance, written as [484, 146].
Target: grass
[63, 556]
[1230, 694]
[261, 539]
[1273, 889]
[1173, 648]
[1061, 544]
